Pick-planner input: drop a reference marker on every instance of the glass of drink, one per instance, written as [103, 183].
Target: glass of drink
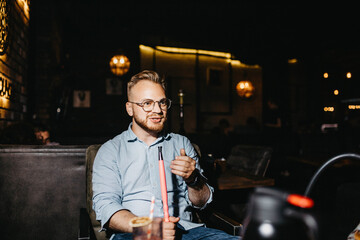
[146, 229]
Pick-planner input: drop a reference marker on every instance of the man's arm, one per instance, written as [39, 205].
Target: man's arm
[199, 192]
[120, 221]
[185, 167]
[107, 192]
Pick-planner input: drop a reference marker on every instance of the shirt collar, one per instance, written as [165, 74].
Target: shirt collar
[131, 137]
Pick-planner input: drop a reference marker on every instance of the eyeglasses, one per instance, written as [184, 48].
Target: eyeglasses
[148, 104]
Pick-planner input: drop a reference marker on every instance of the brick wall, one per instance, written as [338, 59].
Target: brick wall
[13, 60]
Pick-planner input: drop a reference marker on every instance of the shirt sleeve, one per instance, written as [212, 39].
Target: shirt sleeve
[190, 150]
[107, 193]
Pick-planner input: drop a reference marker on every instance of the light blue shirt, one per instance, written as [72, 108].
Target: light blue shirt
[126, 176]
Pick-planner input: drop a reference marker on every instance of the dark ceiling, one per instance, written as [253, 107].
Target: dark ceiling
[249, 29]
[255, 32]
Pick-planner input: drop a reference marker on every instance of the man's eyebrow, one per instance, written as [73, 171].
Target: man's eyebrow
[146, 99]
[149, 99]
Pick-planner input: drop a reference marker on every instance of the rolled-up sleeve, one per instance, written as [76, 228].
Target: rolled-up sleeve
[211, 189]
[189, 148]
[107, 192]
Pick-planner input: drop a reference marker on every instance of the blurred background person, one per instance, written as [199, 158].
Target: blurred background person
[42, 134]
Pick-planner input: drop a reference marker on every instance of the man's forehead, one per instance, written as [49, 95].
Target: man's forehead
[146, 87]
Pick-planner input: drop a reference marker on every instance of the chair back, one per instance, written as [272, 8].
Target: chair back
[91, 152]
[252, 159]
[41, 190]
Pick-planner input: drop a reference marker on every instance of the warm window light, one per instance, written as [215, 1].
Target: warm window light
[292, 61]
[353, 107]
[336, 92]
[194, 51]
[228, 57]
[329, 109]
[119, 65]
[245, 89]
[326, 75]
[348, 75]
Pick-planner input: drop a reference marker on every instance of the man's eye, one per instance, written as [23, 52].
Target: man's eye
[147, 103]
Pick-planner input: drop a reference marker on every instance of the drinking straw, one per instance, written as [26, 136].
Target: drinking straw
[151, 215]
[163, 185]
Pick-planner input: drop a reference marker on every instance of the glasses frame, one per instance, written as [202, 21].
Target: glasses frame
[141, 104]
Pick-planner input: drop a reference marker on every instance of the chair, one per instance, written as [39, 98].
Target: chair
[40, 188]
[89, 227]
[249, 158]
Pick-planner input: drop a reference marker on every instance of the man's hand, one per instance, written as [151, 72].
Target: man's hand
[169, 228]
[183, 166]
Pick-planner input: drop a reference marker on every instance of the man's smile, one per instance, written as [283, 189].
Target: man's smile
[155, 119]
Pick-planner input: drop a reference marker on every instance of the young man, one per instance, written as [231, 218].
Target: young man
[126, 172]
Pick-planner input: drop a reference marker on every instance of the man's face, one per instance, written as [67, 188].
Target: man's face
[42, 136]
[152, 121]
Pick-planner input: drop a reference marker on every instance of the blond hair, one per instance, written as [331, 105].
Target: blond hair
[148, 75]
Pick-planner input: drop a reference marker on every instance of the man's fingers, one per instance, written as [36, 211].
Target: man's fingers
[182, 165]
[182, 152]
[174, 219]
[169, 231]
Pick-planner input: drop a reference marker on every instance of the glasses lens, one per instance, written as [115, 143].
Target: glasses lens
[148, 105]
[164, 104]
[168, 103]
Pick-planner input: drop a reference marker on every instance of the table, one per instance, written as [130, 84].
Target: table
[236, 179]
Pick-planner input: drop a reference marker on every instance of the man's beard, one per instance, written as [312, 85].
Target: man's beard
[150, 127]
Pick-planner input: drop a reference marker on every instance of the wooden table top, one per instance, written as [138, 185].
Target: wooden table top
[234, 179]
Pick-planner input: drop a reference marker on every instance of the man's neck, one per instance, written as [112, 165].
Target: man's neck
[143, 135]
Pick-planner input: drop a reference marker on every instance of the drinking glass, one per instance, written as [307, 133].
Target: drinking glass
[146, 229]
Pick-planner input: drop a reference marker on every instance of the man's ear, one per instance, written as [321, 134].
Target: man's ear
[129, 109]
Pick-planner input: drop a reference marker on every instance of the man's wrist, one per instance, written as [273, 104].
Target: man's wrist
[194, 182]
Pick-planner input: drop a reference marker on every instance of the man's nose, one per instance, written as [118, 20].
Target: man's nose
[157, 107]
